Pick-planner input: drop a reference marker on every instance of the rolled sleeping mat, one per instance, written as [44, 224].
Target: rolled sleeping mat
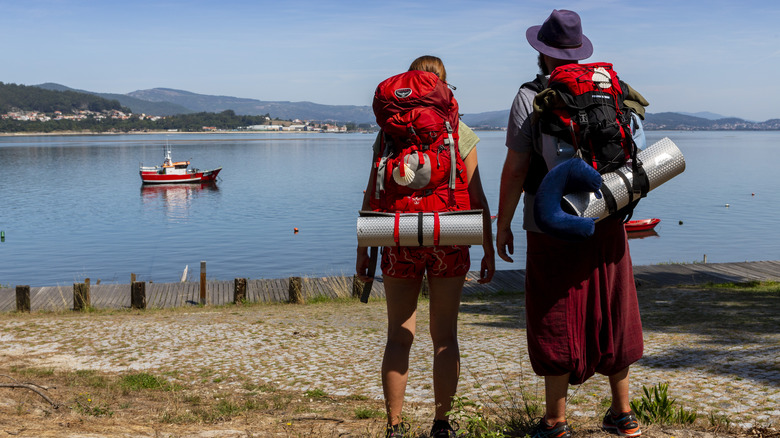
[420, 229]
[661, 162]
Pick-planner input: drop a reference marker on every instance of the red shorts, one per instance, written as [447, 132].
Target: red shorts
[412, 262]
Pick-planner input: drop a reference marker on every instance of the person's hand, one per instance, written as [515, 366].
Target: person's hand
[361, 265]
[505, 241]
[488, 267]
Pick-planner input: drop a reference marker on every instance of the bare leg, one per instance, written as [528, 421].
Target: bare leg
[445, 296]
[401, 319]
[618, 383]
[555, 389]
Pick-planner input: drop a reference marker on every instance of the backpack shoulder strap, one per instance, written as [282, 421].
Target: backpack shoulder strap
[537, 168]
[538, 84]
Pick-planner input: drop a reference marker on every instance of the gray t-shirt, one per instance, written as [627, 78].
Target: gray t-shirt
[520, 138]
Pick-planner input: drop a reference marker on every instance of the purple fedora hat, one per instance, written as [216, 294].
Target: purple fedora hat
[560, 37]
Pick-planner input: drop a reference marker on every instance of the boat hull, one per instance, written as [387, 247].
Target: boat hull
[641, 225]
[196, 177]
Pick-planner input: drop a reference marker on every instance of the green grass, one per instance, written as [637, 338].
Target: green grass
[368, 413]
[315, 393]
[655, 407]
[142, 381]
[771, 287]
[85, 405]
[33, 371]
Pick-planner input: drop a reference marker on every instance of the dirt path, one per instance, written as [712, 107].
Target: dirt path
[313, 370]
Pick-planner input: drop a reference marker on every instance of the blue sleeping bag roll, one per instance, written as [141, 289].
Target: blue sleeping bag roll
[571, 176]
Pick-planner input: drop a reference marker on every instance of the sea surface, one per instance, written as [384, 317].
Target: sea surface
[73, 207]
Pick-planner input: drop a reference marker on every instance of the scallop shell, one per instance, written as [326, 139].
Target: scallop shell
[406, 179]
[602, 78]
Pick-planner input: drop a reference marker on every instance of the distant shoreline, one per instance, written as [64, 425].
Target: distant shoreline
[89, 133]
[44, 134]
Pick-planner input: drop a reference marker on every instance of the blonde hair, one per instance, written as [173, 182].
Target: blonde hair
[430, 64]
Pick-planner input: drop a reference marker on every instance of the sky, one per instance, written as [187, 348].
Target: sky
[719, 56]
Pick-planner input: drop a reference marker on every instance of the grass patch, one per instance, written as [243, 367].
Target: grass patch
[85, 405]
[90, 378]
[315, 393]
[142, 381]
[368, 413]
[655, 407]
[750, 286]
[33, 372]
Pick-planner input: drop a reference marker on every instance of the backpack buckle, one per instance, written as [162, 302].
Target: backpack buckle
[582, 117]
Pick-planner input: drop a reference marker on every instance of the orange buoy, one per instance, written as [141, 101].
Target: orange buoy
[295, 230]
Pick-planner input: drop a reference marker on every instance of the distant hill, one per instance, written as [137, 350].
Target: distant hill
[31, 98]
[168, 101]
[243, 106]
[677, 121]
[487, 120]
[704, 115]
[137, 106]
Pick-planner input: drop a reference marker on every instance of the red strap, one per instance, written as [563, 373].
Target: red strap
[396, 229]
[626, 151]
[401, 167]
[436, 229]
[421, 157]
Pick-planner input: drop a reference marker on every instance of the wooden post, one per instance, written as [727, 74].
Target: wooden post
[132, 278]
[203, 283]
[296, 290]
[239, 290]
[23, 299]
[138, 295]
[81, 299]
[357, 286]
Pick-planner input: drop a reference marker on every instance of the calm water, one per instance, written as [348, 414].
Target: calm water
[74, 207]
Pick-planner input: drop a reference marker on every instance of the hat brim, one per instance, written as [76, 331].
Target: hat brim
[574, 54]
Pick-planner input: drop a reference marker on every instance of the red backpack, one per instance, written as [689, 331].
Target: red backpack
[588, 111]
[590, 114]
[419, 167]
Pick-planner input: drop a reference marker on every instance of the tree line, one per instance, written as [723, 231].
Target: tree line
[15, 97]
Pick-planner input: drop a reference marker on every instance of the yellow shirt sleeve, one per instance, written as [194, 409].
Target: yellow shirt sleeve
[468, 139]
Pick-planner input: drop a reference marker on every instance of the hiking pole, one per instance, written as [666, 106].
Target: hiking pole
[371, 272]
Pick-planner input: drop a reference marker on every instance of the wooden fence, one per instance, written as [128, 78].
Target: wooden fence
[168, 295]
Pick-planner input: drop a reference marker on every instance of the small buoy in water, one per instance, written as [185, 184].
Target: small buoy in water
[727, 206]
[295, 230]
[680, 222]
[752, 194]
[2, 236]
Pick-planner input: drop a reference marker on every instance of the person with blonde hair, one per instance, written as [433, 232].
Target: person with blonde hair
[445, 268]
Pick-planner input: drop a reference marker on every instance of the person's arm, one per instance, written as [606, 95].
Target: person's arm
[478, 201]
[511, 189]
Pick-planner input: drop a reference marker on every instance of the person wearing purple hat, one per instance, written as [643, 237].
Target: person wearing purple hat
[582, 314]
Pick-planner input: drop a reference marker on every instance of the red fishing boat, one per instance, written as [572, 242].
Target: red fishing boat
[176, 172]
[641, 224]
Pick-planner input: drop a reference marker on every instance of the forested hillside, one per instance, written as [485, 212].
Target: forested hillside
[29, 98]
